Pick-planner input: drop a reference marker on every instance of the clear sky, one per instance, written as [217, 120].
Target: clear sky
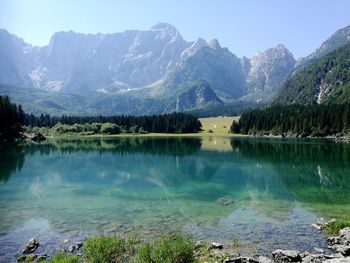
[244, 26]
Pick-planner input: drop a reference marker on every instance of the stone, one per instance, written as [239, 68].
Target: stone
[318, 258]
[65, 241]
[216, 245]
[344, 250]
[71, 248]
[317, 227]
[240, 260]
[281, 256]
[31, 246]
[225, 201]
[338, 260]
[198, 244]
[333, 240]
[43, 257]
[79, 245]
[319, 250]
[263, 259]
[344, 235]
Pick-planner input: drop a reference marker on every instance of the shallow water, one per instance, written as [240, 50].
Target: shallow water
[69, 189]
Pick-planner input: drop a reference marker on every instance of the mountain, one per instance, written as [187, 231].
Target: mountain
[338, 39]
[217, 66]
[325, 81]
[139, 72]
[268, 71]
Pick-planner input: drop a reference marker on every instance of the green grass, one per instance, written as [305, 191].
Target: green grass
[176, 248]
[62, 258]
[340, 223]
[107, 249]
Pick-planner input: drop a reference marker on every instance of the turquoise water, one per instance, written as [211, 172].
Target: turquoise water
[70, 189]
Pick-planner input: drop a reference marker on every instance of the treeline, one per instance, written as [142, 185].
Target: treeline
[11, 119]
[166, 123]
[296, 120]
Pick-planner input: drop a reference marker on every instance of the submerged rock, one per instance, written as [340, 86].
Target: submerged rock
[225, 200]
[282, 256]
[33, 258]
[31, 246]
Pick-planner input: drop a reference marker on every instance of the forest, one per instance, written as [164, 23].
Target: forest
[166, 123]
[13, 119]
[296, 120]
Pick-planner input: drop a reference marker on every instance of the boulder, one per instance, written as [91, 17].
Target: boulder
[31, 246]
[344, 250]
[216, 245]
[240, 260]
[72, 248]
[225, 201]
[282, 256]
[79, 245]
[344, 235]
[262, 259]
[338, 260]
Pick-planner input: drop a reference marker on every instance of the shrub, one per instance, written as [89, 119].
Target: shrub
[105, 249]
[340, 223]
[62, 258]
[110, 128]
[177, 248]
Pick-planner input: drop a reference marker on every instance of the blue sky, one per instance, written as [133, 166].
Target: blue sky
[244, 26]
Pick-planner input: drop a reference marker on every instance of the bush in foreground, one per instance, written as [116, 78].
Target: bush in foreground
[177, 248]
[340, 223]
[105, 249]
[62, 258]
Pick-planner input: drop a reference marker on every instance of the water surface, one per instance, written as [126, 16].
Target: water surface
[69, 189]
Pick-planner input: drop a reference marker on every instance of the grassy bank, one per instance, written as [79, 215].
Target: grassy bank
[215, 126]
[170, 248]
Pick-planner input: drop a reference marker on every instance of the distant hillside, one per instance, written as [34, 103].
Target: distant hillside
[326, 81]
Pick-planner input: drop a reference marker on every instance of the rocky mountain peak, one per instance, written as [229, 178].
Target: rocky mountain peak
[194, 47]
[338, 39]
[269, 69]
[214, 44]
[165, 27]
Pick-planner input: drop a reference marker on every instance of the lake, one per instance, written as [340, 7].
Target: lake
[264, 193]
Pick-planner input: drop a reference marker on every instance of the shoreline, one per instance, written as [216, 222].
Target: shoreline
[192, 250]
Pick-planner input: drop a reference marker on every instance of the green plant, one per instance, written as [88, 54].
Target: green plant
[62, 258]
[235, 243]
[334, 227]
[105, 249]
[176, 248]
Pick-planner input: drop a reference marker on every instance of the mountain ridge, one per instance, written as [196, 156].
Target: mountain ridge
[152, 66]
